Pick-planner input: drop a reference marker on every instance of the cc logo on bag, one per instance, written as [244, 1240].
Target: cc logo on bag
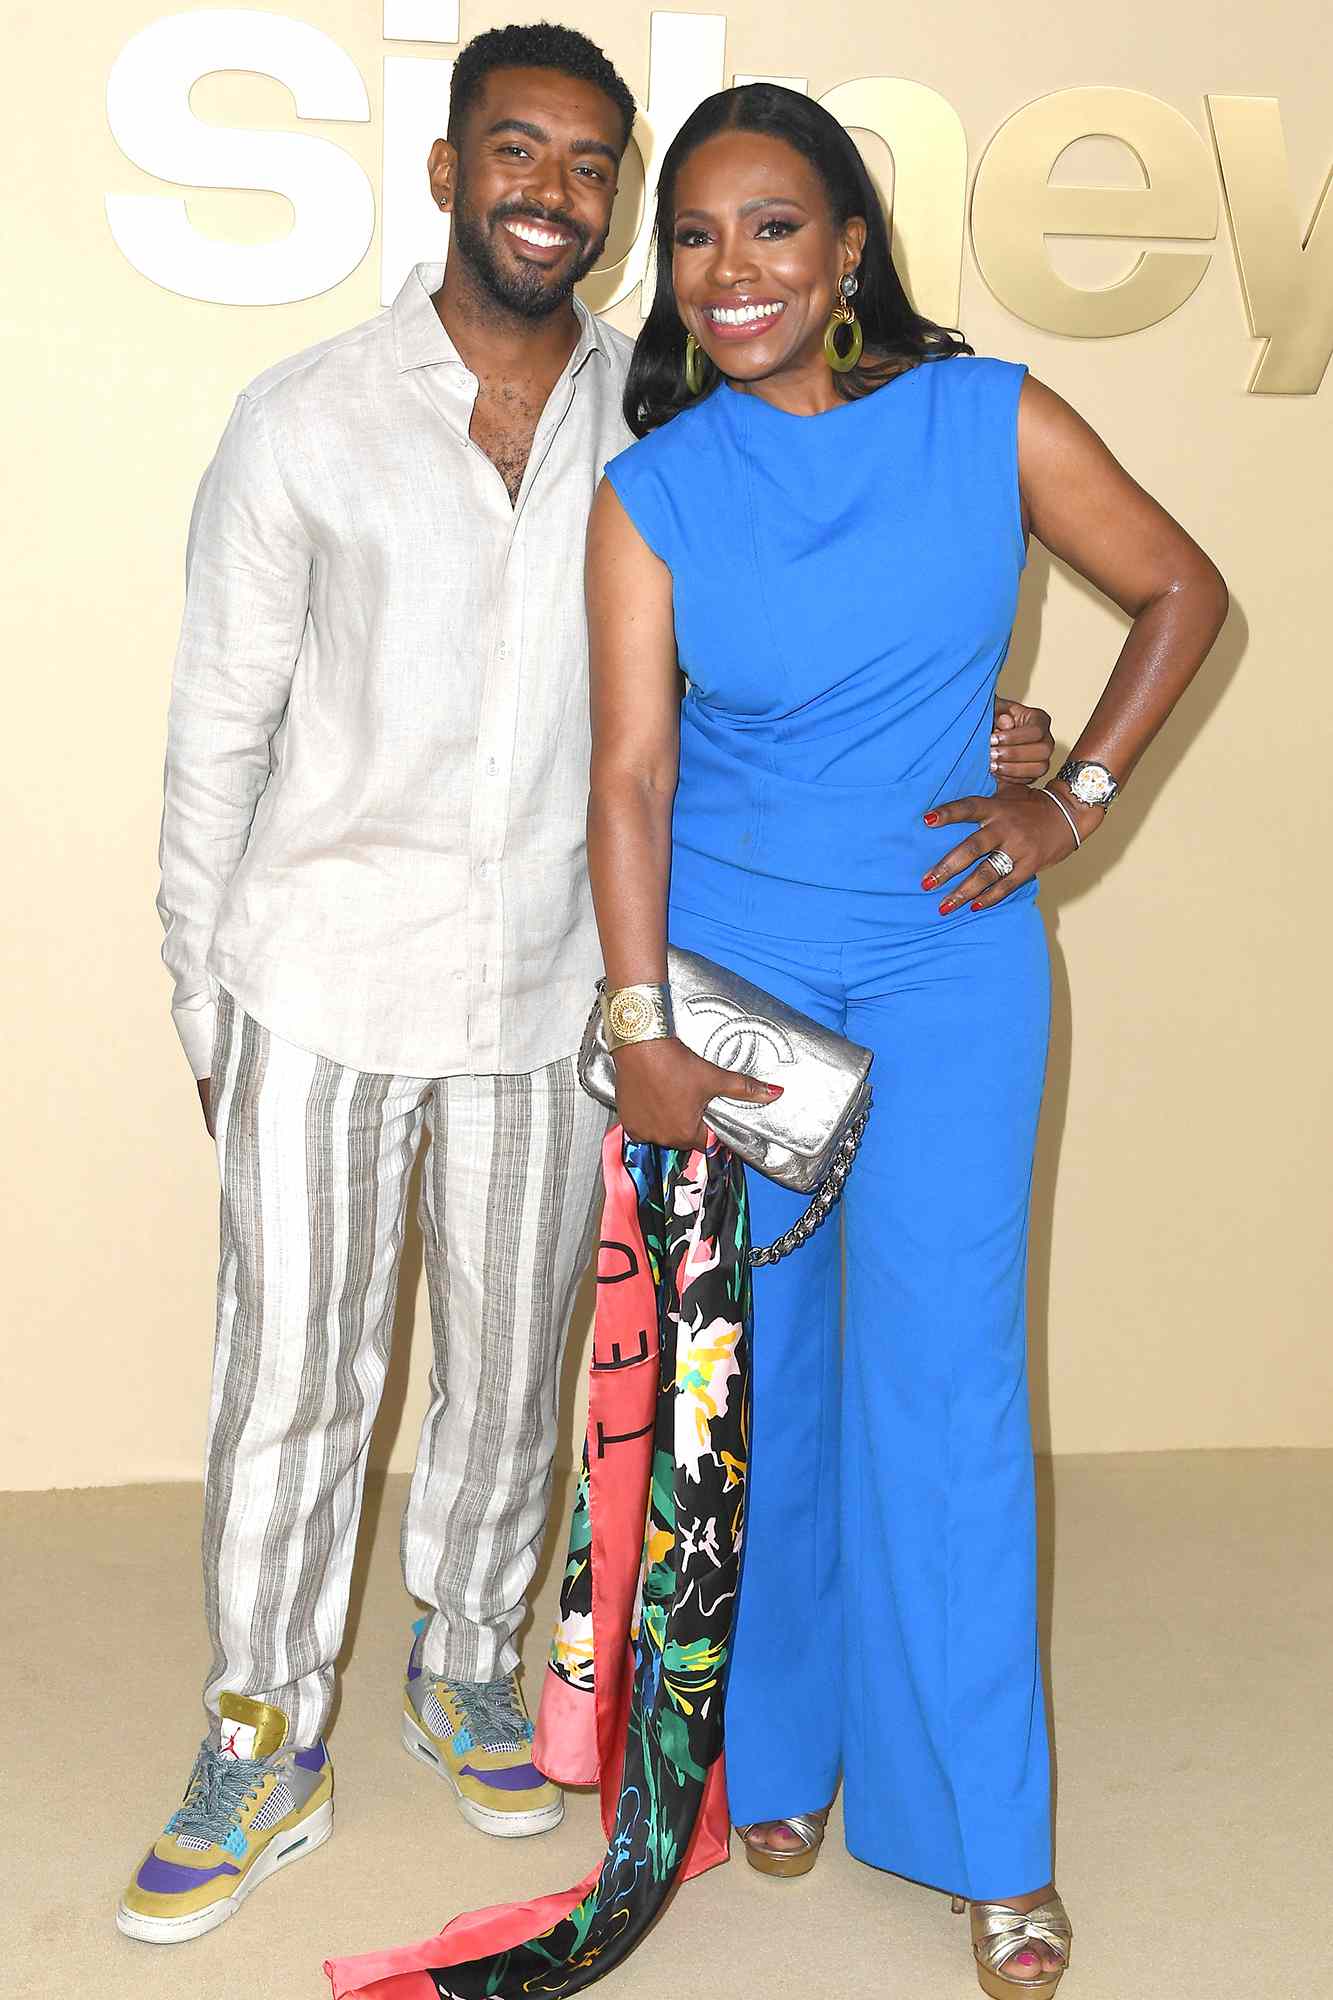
[736, 1041]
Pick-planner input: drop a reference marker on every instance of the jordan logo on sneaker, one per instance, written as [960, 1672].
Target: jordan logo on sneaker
[236, 1739]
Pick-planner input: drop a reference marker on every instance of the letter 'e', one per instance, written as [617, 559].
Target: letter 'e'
[1014, 210]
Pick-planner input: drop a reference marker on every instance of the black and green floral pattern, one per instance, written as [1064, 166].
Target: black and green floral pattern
[693, 1222]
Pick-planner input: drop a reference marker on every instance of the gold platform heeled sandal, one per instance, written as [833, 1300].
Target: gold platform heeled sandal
[780, 1861]
[999, 1932]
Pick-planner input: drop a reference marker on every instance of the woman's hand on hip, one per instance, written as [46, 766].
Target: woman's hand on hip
[662, 1088]
[1027, 826]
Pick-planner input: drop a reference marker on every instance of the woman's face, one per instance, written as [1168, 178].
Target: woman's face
[757, 257]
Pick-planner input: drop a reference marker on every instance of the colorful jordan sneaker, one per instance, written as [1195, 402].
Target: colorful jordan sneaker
[477, 1735]
[250, 1807]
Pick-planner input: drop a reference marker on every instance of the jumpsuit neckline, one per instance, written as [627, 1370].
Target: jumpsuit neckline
[772, 410]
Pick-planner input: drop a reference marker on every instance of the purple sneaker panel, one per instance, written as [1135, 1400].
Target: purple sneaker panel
[519, 1778]
[172, 1878]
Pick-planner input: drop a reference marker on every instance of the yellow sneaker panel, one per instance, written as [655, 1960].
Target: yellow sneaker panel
[502, 1784]
[175, 1881]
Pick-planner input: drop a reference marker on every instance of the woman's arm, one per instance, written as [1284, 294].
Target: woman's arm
[635, 688]
[1088, 511]
[661, 1087]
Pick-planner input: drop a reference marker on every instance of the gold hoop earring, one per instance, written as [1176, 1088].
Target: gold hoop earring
[696, 366]
[843, 315]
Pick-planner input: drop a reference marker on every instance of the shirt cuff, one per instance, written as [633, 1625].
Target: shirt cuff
[195, 1022]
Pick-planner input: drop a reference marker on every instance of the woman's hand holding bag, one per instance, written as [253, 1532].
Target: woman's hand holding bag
[662, 1088]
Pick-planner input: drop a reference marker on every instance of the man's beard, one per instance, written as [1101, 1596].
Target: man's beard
[531, 293]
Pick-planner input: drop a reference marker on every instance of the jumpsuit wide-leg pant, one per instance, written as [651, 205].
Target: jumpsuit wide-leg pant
[887, 1623]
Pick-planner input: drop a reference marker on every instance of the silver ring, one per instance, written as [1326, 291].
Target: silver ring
[1002, 863]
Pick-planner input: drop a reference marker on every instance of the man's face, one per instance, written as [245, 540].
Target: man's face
[534, 179]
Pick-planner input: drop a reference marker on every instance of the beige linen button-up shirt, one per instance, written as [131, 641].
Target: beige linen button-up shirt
[377, 763]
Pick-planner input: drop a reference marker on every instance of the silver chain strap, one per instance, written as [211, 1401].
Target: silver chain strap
[824, 1199]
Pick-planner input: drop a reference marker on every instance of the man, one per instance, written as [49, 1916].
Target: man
[378, 921]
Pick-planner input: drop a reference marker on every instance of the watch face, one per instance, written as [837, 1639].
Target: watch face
[630, 1014]
[1093, 785]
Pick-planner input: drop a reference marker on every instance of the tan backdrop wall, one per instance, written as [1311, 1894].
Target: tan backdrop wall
[1181, 1274]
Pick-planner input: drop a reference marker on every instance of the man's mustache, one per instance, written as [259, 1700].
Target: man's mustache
[529, 212]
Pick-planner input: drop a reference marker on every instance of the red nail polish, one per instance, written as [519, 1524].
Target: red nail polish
[931, 818]
[927, 881]
[974, 906]
[945, 909]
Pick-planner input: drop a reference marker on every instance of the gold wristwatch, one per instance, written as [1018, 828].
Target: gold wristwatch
[636, 1014]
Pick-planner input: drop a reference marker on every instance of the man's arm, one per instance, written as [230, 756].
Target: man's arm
[247, 593]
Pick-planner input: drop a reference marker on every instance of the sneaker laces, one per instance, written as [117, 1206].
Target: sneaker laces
[492, 1712]
[218, 1788]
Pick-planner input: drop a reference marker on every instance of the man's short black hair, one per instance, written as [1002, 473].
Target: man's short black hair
[544, 45]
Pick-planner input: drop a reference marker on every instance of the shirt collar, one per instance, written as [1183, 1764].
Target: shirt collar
[420, 339]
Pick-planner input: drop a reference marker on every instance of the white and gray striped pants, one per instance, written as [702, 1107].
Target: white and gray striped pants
[315, 1161]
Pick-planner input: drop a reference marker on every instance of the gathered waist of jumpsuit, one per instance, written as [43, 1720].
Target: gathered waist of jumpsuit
[796, 858]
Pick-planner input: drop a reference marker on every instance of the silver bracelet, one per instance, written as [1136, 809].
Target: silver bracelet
[1056, 800]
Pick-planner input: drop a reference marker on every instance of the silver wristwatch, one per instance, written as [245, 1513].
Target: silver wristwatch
[1091, 784]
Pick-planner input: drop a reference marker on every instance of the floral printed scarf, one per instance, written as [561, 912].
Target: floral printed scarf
[634, 1693]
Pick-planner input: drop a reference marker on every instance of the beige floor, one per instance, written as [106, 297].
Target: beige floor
[1192, 1659]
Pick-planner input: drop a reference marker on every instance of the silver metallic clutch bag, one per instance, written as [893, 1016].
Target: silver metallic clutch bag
[807, 1139]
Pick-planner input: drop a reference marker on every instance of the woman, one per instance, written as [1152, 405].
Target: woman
[824, 526]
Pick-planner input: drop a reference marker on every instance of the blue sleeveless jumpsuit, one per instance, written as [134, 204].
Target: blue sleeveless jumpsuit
[844, 592]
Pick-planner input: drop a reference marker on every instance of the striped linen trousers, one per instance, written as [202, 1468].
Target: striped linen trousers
[315, 1161]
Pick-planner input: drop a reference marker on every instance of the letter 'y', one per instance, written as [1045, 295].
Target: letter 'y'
[1287, 280]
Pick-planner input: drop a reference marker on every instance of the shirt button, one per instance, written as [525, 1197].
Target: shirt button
[492, 766]
[459, 977]
[483, 869]
[504, 649]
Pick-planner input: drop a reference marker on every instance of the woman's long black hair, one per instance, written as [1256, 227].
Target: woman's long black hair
[895, 335]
